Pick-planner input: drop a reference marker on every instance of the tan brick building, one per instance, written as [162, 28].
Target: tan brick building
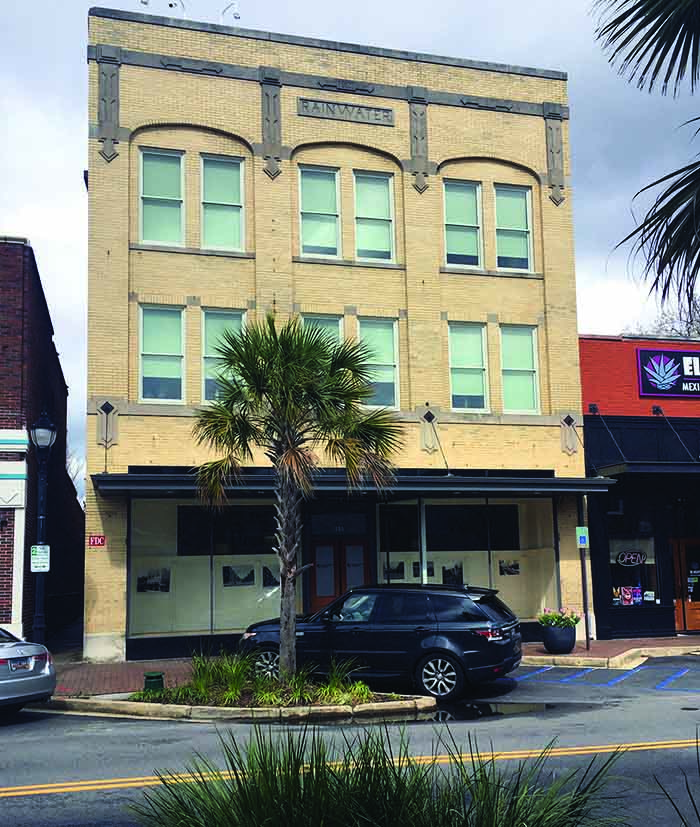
[419, 202]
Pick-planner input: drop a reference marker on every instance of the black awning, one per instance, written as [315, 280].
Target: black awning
[650, 468]
[260, 481]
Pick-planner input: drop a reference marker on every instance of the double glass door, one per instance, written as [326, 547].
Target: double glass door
[686, 559]
[337, 565]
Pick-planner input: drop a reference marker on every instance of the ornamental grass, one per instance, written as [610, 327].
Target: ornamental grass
[298, 779]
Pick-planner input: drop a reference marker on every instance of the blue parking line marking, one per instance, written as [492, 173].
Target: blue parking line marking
[577, 675]
[536, 672]
[664, 683]
[621, 678]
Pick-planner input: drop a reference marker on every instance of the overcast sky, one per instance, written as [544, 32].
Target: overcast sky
[621, 138]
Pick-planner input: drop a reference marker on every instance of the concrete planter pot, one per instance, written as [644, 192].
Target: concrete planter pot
[559, 640]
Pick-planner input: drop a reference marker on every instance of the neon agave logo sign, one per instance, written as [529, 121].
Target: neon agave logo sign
[662, 372]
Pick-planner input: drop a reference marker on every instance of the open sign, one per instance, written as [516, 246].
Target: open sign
[631, 558]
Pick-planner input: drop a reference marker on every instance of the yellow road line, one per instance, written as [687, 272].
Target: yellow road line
[512, 755]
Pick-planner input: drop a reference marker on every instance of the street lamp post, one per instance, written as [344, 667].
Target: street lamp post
[43, 435]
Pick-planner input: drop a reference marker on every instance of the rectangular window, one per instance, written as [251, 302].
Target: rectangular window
[468, 366]
[222, 203]
[513, 227]
[161, 197]
[633, 573]
[519, 362]
[319, 212]
[462, 230]
[379, 335]
[374, 230]
[161, 353]
[328, 324]
[215, 323]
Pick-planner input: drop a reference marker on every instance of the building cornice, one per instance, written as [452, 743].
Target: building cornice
[331, 45]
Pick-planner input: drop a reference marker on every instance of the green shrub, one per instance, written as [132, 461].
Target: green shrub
[297, 780]
[225, 680]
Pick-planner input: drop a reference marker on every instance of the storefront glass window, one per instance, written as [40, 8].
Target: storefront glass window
[195, 570]
[633, 572]
[505, 544]
[399, 561]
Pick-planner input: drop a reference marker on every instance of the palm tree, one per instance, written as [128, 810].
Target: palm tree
[657, 42]
[297, 394]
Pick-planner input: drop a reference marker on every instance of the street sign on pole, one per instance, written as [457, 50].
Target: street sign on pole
[582, 536]
[40, 558]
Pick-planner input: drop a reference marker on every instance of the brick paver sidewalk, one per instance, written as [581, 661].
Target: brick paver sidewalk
[81, 680]
[612, 648]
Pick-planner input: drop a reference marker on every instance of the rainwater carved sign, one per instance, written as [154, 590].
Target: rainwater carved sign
[631, 558]
[669, 373]
[339, 111]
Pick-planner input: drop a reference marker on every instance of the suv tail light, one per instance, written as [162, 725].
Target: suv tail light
[490, 634]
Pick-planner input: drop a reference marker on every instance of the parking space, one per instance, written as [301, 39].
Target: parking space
[679, 674]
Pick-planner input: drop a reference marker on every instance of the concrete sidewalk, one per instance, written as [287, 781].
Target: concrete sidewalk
[83, 680]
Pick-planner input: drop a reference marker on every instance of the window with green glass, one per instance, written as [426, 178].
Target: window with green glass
[161, 197]
[462, 225]
[216, 323]
[374, 230]
[319, 212]
[379, 337]
[467, 366]
[161, 353]
[513, 227]
[222, 203]
[519, 361]
[328, 324]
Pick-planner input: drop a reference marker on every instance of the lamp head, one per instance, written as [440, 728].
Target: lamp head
[43, 432]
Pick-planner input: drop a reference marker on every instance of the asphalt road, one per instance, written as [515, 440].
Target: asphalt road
[75, 771]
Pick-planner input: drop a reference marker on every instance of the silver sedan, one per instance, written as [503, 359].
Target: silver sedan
[27, 673]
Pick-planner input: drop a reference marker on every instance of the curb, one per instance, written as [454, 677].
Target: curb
[409, 709]
[629, 659]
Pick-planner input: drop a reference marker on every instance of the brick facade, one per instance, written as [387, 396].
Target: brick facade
[196, 110]
[31, 381]
[609, 376]
[7, 545]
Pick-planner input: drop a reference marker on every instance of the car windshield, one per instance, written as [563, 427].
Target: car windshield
[494, 608]
[6, 637]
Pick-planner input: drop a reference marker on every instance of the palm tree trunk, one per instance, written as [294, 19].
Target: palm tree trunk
[288, 537]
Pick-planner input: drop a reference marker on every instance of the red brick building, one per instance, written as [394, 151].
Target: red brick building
[641, 403]
[31, 381]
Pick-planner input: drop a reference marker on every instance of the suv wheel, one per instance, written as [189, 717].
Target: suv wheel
[266, 663]
[440, 675]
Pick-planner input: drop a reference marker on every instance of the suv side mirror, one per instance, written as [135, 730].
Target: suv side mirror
[326, 616]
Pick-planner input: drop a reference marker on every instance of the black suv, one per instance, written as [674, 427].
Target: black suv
[440, 637]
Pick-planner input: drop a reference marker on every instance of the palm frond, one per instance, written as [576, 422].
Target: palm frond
[652, 40]
[292, 391]
[299, 463]
[214, 476]
[227, 429]
[668, 236]
[364, 442]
